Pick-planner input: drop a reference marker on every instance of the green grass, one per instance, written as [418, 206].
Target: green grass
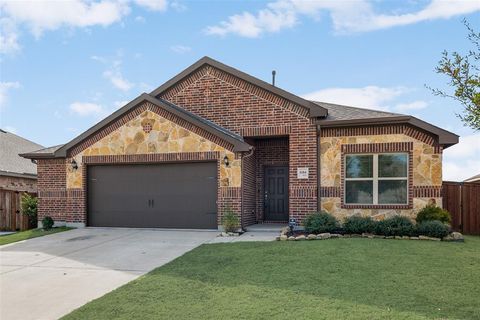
[330, 279]
[29, 234]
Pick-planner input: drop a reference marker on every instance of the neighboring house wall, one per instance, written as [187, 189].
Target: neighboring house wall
[254, 112]
[18, 184]
[425, 171]
[142, 132]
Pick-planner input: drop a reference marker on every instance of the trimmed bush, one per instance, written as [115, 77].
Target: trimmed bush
[320, 222]
[29, 208]
[433, 228]
[47, 223]
[358, 224]
[433, 213]
[230, 221]
[395, 226]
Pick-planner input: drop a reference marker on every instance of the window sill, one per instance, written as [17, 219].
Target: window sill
[376, 206]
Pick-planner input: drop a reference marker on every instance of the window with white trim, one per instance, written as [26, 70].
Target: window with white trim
[376, 179]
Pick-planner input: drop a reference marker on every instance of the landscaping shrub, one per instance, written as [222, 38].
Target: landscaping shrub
[431, 213]
[29, 208]
[47, 223]
[395, 226]
[230, 221]
[319, 222]
[358, 224]
[433, 228]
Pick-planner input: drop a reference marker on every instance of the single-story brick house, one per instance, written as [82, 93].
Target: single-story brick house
[214, 138]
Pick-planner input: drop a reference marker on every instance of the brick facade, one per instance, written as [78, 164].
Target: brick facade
[255, 113]
[281, 132]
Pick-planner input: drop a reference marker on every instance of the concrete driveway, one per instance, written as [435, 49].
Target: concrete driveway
[47, 277]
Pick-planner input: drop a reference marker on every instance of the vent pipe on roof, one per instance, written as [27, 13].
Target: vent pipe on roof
[273, 77]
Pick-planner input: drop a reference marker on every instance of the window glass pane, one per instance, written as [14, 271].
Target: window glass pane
[392, 165]
[359, 166]
[359, 192]
[392, 191]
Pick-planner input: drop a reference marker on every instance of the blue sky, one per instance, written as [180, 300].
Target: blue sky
[66, 65]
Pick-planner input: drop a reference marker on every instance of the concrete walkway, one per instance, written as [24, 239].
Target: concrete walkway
[47, 277]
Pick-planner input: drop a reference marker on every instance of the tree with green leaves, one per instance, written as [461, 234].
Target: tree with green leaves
[463, 72]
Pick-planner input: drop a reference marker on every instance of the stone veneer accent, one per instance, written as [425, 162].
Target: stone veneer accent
[425, 166]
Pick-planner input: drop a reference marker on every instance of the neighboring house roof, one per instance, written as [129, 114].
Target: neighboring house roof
[11, 164]
[237, 141]
[314, 109]
[346, 116]
[475, 178]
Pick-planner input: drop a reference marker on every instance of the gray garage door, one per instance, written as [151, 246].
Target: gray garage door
[179, 195]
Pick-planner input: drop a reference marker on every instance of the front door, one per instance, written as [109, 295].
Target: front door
[276, 193]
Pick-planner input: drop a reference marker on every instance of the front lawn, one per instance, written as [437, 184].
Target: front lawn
[328, 279]
[28, 234]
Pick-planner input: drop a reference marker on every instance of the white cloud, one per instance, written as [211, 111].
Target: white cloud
[85, 109]
[140, 19]
[43, 15]
[8, 36]
[180, 49]
[113, 72]
[154, 5]
[50, 15]
[371, 97]
[415, 105]
[117, 79]
[462, 160]
[346, 16]
[4, 88]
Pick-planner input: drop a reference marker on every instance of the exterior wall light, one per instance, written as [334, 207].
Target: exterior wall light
[225, 160]
[74, 164]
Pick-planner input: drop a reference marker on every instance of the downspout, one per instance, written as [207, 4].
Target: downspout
[250, 153]
[319, 177]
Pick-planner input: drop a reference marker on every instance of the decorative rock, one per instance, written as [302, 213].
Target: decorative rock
[300, 237]
[346, 236]
[376, 236]
[277, 238]
[283, 237]
[406, 238]
[398, 237]
[414, 238]
[325, 235]
[389, 237]
[370, 236]
[311, 236]
[457, 236]
[428, 238]
[291, 238]
[335, 235]
[285, 230]
[355, 235]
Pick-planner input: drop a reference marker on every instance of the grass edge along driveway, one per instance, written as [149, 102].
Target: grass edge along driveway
[330, 279]
[29, 234]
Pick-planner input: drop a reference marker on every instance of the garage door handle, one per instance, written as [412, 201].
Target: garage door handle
[153, 203]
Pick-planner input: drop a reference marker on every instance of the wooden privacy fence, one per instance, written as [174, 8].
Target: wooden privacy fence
[11, 218]
[462, 200]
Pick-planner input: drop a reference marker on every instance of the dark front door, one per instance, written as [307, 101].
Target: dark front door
[176, 195]
[276, 193]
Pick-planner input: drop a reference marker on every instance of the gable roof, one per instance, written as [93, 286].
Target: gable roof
[315, 110]
[346, 116]
[239, 145]
[11, 164]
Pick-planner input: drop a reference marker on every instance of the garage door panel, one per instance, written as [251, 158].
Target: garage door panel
[164, 196]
